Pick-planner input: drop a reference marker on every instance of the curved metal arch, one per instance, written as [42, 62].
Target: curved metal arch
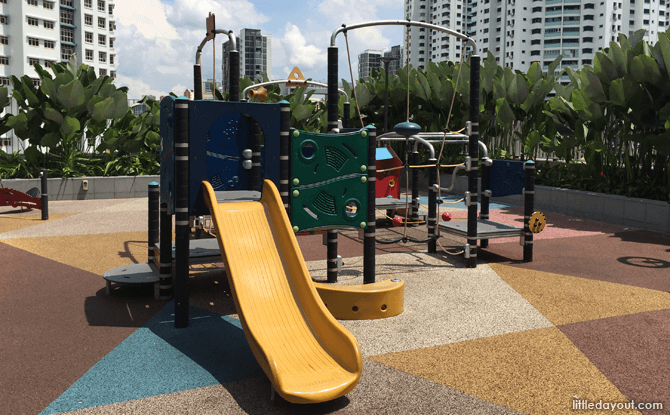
[344, 28]
[231, 39]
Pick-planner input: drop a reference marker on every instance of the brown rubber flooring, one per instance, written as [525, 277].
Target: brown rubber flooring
[587, 322]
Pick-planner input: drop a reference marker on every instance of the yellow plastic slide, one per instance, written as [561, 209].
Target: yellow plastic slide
[307, 355]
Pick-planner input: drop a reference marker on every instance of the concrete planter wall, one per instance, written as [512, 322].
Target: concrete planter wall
[646, 214]
[98, 187]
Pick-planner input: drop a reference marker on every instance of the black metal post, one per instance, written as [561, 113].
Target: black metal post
[432, 207]
[45, 196]
[165, 260]
[154, 218]
[255, 144]
[473, 152]
[333, 112]
[284, 149]
[415, 188]
[197, 82]
[234, 76]
[369, 234]
[345, 115]
[529, 206]
[486, 185]
[182, 225]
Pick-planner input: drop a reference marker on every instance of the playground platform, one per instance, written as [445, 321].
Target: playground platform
[587, 322]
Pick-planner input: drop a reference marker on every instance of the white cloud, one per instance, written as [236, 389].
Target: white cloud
[298, 52]
[137, 88]
[156, 42]
[179, 90]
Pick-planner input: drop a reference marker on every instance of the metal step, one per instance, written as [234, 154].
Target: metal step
[486, 229]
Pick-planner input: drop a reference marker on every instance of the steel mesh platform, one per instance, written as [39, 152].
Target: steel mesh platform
[486, 229]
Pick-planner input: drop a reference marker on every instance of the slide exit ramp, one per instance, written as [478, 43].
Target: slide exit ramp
[306, 353]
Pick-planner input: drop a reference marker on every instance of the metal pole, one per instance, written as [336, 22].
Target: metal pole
[486, 185]
[369, 234]
[197, 82]
[333, 99]
[154, 223]
[165, 290]
[529, 206]
[181, 121]
[284, 149]
[473, 152]
[45, 196]
[415, 188]
[432, 207]
[255, 142]
[234, 76]
[346, 109]
[386, 94]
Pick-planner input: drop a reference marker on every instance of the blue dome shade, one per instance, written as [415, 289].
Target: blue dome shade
[407, 128]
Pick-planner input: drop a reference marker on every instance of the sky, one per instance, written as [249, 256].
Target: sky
[156, 40]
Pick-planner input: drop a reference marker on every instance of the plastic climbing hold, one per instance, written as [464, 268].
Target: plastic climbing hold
[446, 216]
[407, 128]
[397, 221]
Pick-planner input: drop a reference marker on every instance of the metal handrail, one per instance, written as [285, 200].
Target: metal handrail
[285, 81]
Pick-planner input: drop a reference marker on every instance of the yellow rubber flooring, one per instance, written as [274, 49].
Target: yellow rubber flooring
[564, 299]
[536, 371]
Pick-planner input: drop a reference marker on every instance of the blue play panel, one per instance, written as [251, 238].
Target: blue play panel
[461, 205]
[158, 359]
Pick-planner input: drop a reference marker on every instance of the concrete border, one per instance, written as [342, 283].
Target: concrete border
[652, 215]
[118, 187]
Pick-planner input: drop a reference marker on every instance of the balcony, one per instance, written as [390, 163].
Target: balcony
[571, 66]
[551, 34]
[572, 1]
[571, 22]
[551, 12]
[557, 23]
[553, 1]
[570, 43]
[551, 55]
[568, 55]
[571, 11]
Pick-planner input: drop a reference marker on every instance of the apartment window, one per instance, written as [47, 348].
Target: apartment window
[111, 59]
[102, 40]
[32, 3]
[4, 19]
[66, 16]
[112, 74]
[588, 17]
[535, 31]
[48, 25]
[49, 5]
[111, 42]
[536, 20]
[33, 61]
[4, 81]
[88, 37]
[88, 4]
[645, 21]
[33, 22]
[4, 40]
[537, 9]
[89, 54]
[67, 34]
[69, 3]
[103, 72]
[111, 9]
[535, 42]
[102, 23]
[101, 6]
[4, 60]
[49, 44]
[66, 51]
[587, 40]
[33, 41]
[646, 11]
[88, 20]
[586, 61]
[102, 56]
[588, 28]
[112, 26]
[589, 6]
[535, 53]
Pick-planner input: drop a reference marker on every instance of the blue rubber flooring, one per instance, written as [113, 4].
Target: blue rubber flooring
[159, 359]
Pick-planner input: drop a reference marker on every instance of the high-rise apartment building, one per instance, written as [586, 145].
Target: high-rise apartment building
[39, 31]
[255, 55]
[427, 45]
[374, 59]
[520, 32]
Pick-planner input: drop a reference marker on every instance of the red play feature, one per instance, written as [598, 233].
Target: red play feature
[14, 198]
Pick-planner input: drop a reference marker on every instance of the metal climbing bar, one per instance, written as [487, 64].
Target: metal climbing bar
[284, 81]
[345, 28]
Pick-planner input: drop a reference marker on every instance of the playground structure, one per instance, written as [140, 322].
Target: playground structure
[218, 157]
[32, 199]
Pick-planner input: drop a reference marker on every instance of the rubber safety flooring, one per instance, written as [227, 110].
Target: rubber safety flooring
[584, 328]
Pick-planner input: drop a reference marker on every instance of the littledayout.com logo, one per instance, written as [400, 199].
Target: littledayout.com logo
[585, 404]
